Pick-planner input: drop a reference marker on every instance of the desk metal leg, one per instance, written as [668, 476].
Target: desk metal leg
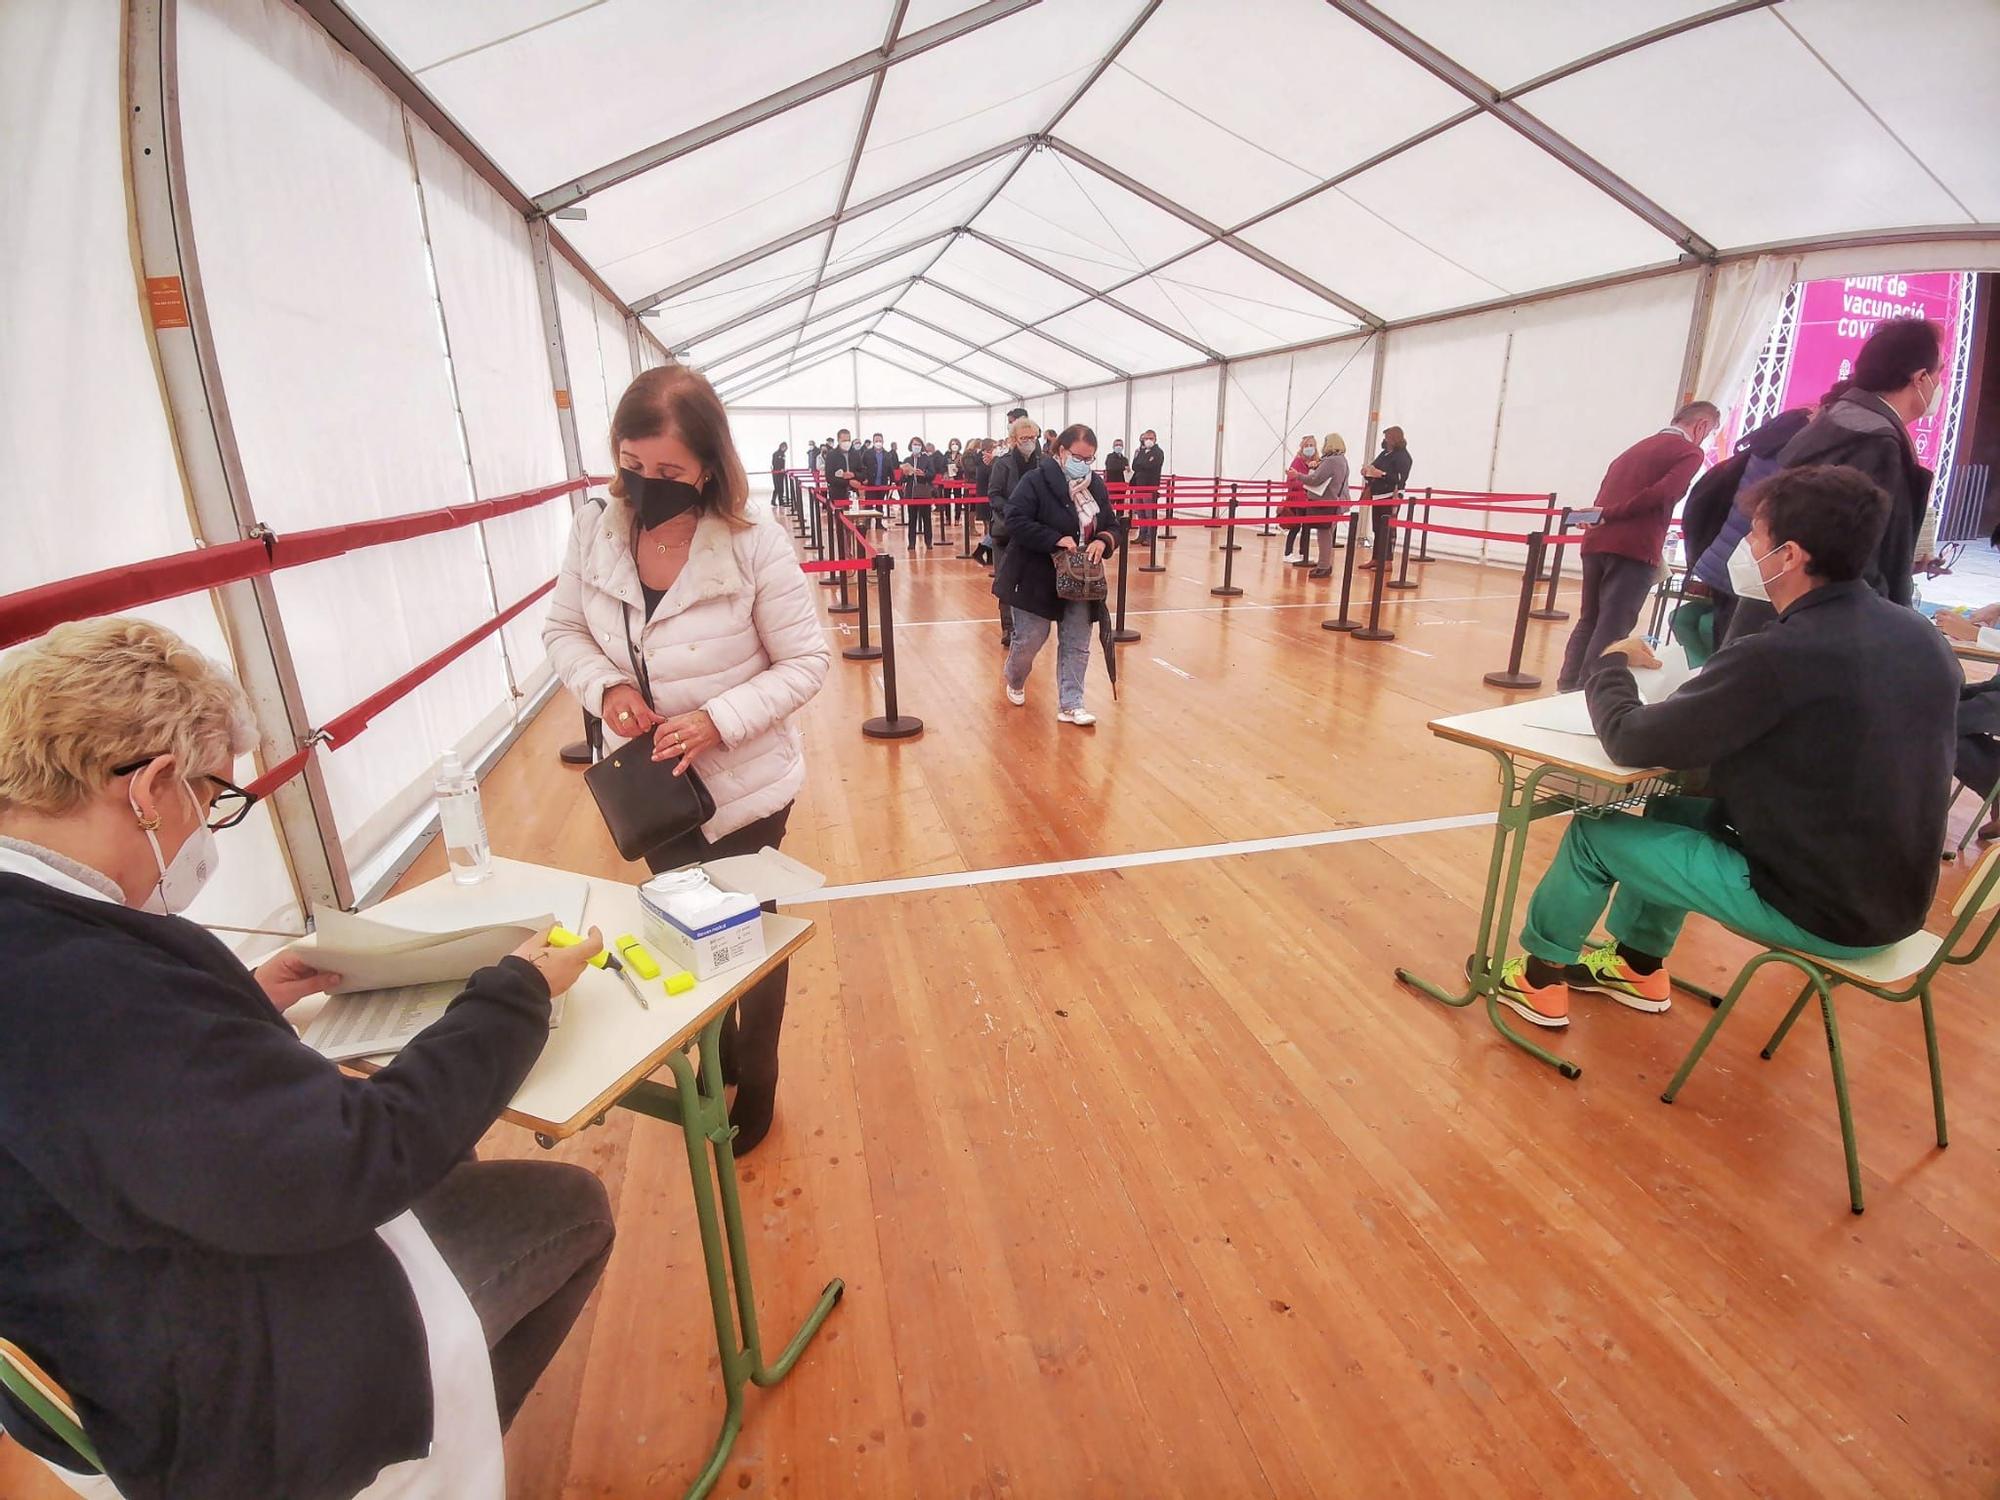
[703, 1116]
[1503, 885]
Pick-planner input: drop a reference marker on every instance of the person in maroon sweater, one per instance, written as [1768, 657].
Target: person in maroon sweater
[1621, 552]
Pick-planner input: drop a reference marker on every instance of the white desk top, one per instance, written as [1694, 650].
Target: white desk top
[1508, 729]
[606, 1043]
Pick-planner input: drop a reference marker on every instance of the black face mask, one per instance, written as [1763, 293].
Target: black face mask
[659, 500]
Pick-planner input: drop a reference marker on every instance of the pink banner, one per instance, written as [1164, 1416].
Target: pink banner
[1835, 319]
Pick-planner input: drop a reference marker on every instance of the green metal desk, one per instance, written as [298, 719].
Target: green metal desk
[1543, 773]
[601, 1058]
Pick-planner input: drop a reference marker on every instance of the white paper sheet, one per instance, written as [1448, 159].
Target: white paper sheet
[1569, 713]
[370, 1022]
[370, 955]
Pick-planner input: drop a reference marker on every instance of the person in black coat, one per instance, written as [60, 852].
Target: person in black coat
[1114, 462]
[843, 464]
[1148, 463]
[1385, 477]
[778, 475]
[1009, 464]
[1059, 506]
[1898, 379]
[219, 1243]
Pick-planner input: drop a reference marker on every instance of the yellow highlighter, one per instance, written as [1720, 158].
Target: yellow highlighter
[562, 937]
[638, 958]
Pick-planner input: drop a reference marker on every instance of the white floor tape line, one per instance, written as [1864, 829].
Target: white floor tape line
[1138, 859]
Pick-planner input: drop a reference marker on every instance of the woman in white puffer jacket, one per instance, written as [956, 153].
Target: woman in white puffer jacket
[676, 572]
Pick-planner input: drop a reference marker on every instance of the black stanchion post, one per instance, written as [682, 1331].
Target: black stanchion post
[1514, 677]
[1269, 510]
[1343, 621]
[965, 546]
[1229, 542]
[830, 544]
[1402, 579]
[1121, 632]
[844, 605]
[1228, 589]
[1152, 564]
[864, 651]
[1548, 611]
[1424, 546]
[892, 725]
[1168, 491]
[1373, 631]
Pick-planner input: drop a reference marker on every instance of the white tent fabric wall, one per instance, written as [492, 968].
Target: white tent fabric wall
[578, 315]
[1587, 376]
[1441, 385]
[70, 303]
[614, 351]
[486, 281]
[314, 226]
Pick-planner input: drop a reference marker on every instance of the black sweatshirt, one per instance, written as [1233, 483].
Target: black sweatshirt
[189, 1196]
[1829, 739]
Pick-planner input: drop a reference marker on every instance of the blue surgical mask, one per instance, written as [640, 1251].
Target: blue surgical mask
[1075, 468]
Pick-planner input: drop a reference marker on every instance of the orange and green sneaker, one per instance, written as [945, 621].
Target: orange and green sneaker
[1544, 1004]
[1603, 970]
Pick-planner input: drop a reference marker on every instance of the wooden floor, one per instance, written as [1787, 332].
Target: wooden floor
[1153, 1182]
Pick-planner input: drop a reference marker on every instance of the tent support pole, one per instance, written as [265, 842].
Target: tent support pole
[175, 314]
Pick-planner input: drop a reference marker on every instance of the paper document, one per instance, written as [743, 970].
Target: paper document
[355, 1025]
[514, 894]
[361, 1023]
[1569, 713]
[371, 955]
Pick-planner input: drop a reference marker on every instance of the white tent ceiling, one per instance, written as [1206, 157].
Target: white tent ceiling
[1025, 194]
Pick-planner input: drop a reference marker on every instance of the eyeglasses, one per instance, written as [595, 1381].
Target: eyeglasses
[230, 806]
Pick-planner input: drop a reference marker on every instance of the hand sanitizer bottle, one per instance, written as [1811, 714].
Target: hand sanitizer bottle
[464, 822]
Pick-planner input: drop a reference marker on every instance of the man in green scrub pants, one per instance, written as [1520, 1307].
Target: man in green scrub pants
[1828, 743]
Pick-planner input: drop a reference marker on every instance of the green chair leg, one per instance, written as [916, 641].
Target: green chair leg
[1840, 1095]
[1708, 1032]
[1771, 1047]
[1937, 1071]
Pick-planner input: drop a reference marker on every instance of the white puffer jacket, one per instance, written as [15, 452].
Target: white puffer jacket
[737, 635]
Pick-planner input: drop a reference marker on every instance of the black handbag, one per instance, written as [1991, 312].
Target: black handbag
[643, 803]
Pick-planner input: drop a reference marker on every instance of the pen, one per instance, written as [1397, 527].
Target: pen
[611, 963]
[561, 937]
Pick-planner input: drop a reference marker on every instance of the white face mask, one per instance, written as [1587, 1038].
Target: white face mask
[1937, 392]
[182, 878]
[1746, 578]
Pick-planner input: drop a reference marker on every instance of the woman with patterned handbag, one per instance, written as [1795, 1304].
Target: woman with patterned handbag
[1061, 527]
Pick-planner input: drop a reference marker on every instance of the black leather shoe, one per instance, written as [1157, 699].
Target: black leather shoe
[577, 754]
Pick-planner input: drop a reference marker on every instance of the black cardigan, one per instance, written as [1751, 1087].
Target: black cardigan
[1860, 431]
[1040, 514]
[1829, 740]
[189, 1194]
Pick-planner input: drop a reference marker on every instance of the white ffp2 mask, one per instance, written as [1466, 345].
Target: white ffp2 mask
[182, 877]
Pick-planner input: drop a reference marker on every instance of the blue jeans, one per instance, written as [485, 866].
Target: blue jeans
[1072, 650]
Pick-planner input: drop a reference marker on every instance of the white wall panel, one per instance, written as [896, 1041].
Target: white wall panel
[486, 282]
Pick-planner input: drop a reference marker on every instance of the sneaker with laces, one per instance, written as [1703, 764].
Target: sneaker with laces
[1606, 972]
[1545, 1004]
[1079, 716]
[1016, 696]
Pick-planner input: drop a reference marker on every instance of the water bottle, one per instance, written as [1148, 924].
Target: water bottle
[464, 822]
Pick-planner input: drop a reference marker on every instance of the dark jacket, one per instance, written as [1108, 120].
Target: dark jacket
[1000, 481]
[189, 1196]
[1114, 468]
[1147, 464]
[1040, 513]
[1862, 432]
[778, 461]
[1395, 466]
[1638, 496]
[1829, 740]
[877, 466]
[1710, 503]
[832, 461]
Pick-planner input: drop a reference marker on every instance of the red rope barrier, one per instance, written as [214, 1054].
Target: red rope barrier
[1487, 536]
[338, 732]
[836, 565]
[30, 612]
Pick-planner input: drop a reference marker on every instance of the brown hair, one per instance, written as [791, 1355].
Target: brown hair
[673, 398]
[1392, 437]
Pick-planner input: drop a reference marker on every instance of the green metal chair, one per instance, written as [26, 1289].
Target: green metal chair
[1901, 972]
[29, 1384]
[1980, 816]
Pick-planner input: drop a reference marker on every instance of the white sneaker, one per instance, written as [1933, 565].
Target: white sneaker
[1082, 717]
[1291, 556]
[1016, 696]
